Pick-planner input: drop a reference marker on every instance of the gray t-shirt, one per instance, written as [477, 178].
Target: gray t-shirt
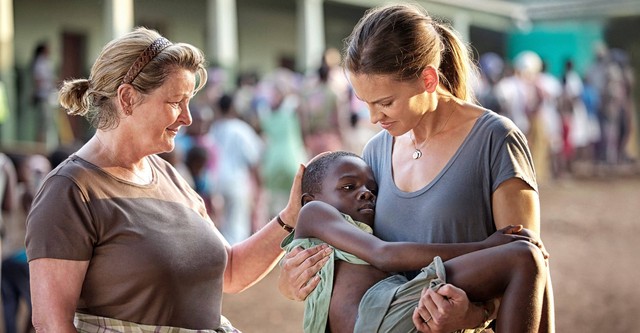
[155, 258]
[456, 206]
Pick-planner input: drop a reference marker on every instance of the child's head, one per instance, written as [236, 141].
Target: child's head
[343, 180]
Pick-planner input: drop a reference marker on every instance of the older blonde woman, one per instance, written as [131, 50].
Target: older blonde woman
[116, 238]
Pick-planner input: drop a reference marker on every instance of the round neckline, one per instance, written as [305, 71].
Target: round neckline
[444, 169]
[124, 181]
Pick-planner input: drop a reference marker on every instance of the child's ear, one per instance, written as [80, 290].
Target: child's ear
[306, 198]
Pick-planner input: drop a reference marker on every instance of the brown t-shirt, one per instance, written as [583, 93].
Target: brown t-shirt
[155, 257]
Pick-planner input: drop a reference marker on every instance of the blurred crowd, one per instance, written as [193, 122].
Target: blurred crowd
[246, 143]
[575, 124]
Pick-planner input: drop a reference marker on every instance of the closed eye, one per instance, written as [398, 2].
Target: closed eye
[386, 104]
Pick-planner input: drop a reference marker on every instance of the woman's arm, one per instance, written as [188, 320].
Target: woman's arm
[55, 290]
[320, 220]
[515, 200]
[250, 260]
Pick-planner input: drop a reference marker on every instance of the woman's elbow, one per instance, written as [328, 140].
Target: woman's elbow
[43, 324]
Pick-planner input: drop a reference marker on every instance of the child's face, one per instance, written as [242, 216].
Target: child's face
[349, 186]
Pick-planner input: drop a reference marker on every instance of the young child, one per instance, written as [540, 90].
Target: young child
[356, 292]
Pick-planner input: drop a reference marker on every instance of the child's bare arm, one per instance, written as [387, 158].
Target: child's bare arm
[320, 220]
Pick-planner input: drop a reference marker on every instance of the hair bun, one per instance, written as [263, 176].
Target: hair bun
[72, 96]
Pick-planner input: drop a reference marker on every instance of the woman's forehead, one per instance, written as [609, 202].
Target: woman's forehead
[374, 88]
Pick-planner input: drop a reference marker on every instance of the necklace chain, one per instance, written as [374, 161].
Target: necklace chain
[417, 153]
[118, 163]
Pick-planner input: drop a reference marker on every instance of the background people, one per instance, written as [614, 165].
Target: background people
[43, 85]
[240, 150]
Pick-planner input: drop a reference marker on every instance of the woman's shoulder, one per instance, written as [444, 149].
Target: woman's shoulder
[73, 175]
[496, 123]
[74, 168]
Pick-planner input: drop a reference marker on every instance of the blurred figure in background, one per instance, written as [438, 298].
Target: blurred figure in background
[238, 175]
[491, 69]
[626, 153]
[320, 117]
[196, 136]
[337, 80]
[514, 90]
[579, 137]
[612, 84]
[521, 99]
[31, 170]
[43, 87]
[284, 148]
[244, 99]
[195, 162]
[8, 188]
[550, 89]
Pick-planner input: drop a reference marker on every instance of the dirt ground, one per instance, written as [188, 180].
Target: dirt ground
[589, 225]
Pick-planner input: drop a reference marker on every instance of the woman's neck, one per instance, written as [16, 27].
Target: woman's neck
[116, 158]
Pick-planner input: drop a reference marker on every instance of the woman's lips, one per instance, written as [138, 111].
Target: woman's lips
[385, 125]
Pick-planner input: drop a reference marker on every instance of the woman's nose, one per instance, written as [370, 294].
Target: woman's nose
[185, 115]
[374, 116]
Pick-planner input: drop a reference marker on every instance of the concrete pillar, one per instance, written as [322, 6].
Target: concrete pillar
[8, 122]
[311, 39]
[222, 37]
[118, 18]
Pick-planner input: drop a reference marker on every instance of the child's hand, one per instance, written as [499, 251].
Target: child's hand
[507, 235]
[513, 233]
[534, 239]
[504, 236]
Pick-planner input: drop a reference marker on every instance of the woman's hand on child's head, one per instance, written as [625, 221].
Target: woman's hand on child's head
[299, 271]
[290, 213]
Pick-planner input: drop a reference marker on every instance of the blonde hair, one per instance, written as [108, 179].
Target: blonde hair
[402, 40]
[95, 97]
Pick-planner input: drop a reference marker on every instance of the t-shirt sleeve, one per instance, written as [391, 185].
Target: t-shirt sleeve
[60, 224]
[513, 159]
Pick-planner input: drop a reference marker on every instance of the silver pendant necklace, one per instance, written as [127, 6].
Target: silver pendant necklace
[417, 153]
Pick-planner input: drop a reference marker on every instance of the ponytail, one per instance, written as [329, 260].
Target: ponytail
[457, 71]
